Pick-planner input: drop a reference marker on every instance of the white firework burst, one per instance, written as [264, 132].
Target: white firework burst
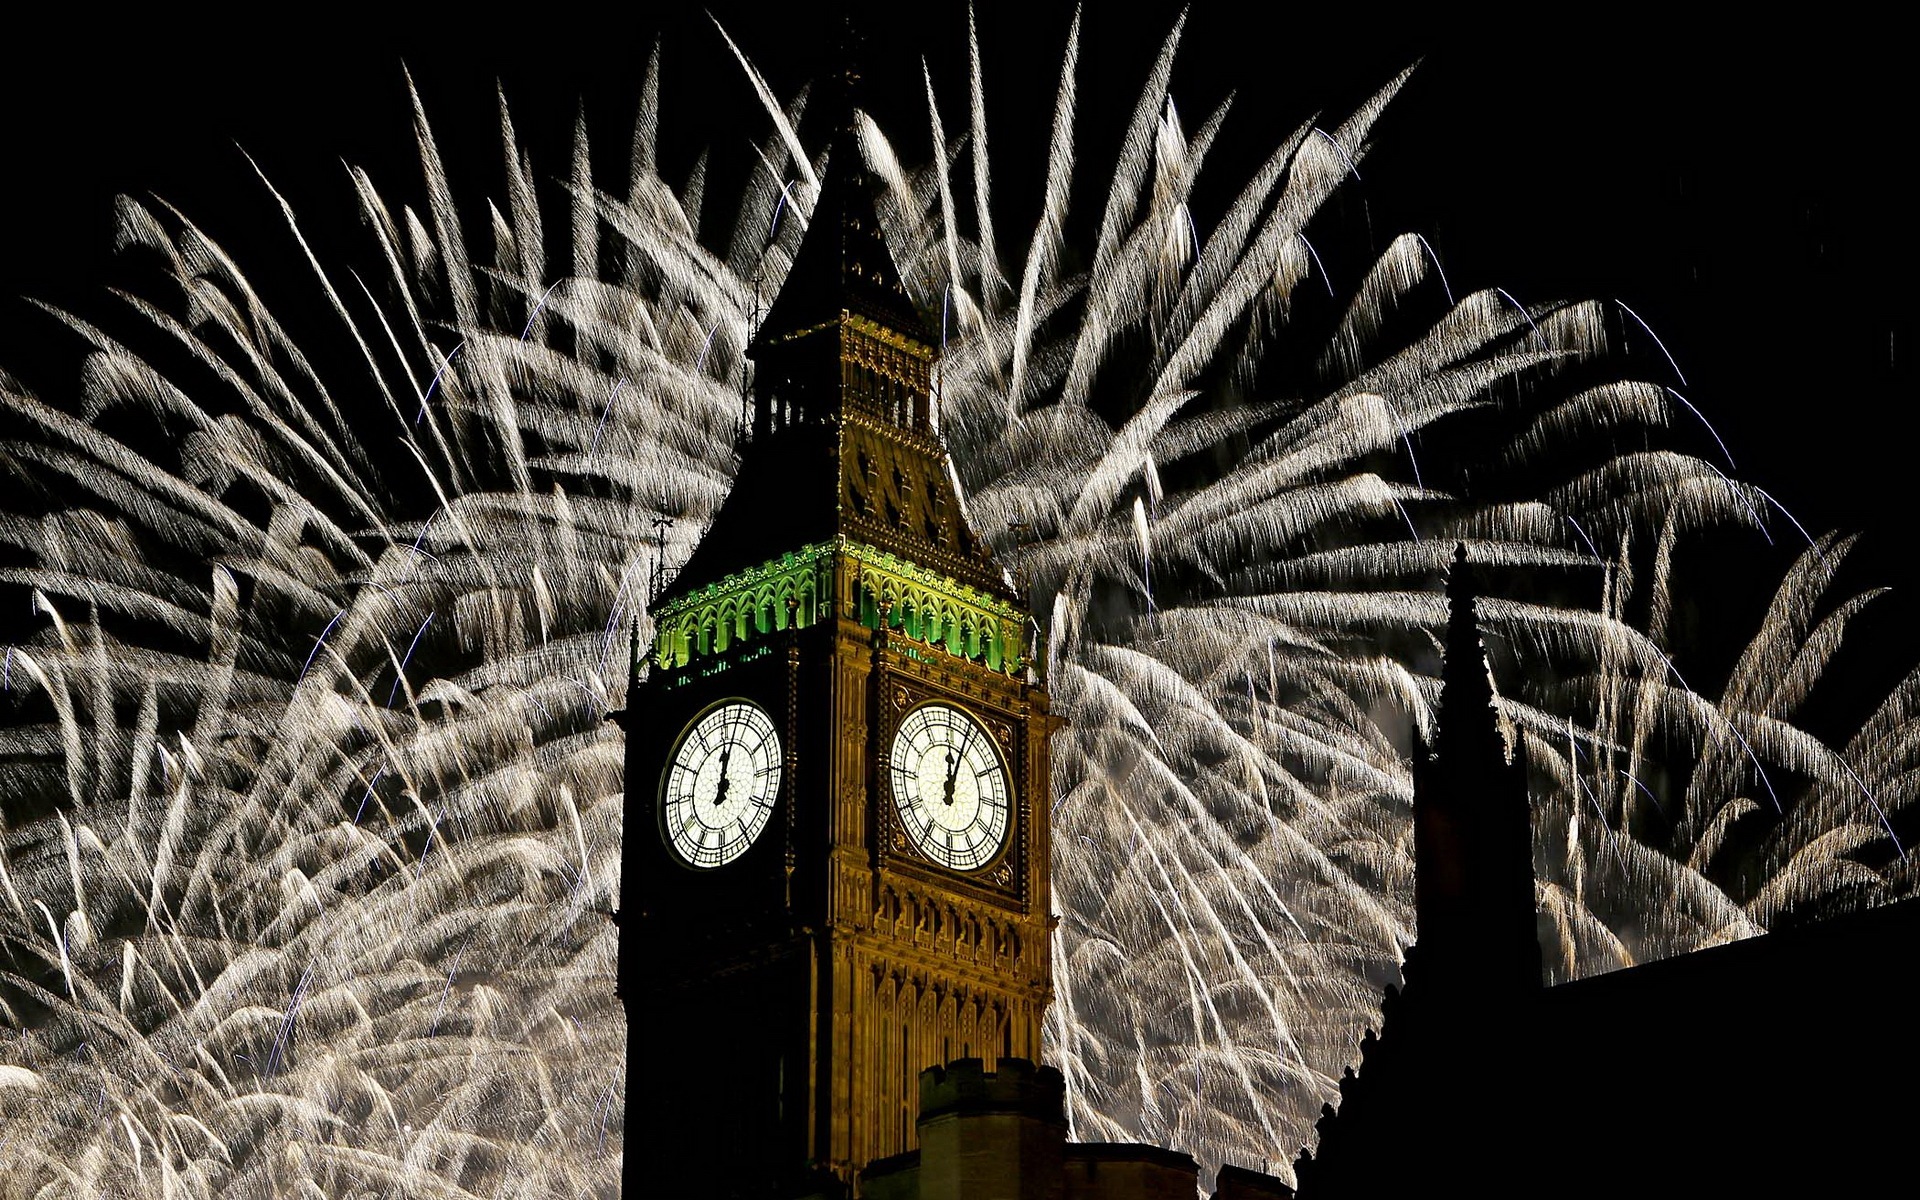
[313, 818]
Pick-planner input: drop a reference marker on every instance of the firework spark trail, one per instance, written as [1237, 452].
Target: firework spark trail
[267, 945]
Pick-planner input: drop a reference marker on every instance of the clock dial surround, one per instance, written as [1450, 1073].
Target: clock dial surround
[721, 785]
[950, 787]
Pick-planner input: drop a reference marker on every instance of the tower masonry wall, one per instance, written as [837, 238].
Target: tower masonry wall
[1002, 1135]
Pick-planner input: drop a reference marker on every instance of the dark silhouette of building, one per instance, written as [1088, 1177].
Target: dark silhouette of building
[1777, 1066]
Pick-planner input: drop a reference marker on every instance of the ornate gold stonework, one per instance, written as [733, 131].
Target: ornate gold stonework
[839, 588]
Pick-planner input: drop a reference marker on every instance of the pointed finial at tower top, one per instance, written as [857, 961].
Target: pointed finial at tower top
[843, 263]
[1467, 713]
[844, 84]
[1461, 593]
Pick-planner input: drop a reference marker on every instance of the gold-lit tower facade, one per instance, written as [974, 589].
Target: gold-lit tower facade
[836, 866]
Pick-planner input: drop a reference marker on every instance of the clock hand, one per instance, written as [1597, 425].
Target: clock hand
[954, 760]
[720, 793]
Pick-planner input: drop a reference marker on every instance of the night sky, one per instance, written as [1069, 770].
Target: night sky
[1735, 186]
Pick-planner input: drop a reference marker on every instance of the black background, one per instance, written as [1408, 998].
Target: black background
[1734, 183]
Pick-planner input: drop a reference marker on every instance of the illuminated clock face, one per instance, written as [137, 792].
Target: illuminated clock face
[950, 787]
[722, 784]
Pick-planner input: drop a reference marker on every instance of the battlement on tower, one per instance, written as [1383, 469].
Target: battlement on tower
[1019, 1087]
[1003, 1133]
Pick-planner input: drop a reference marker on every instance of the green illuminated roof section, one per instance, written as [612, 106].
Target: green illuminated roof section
[846, 579]
[936, 610]
[744, 605]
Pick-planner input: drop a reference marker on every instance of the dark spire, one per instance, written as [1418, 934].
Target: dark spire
[1428, 1092]
[1469, 721]
[843, 264]
[843, 85]
[843, 371]
[1473, 845]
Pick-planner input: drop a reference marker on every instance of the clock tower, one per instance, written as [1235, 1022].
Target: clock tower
[836, 854]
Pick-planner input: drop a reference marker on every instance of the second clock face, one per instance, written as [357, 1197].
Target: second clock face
[950, 787]
[721, 786]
